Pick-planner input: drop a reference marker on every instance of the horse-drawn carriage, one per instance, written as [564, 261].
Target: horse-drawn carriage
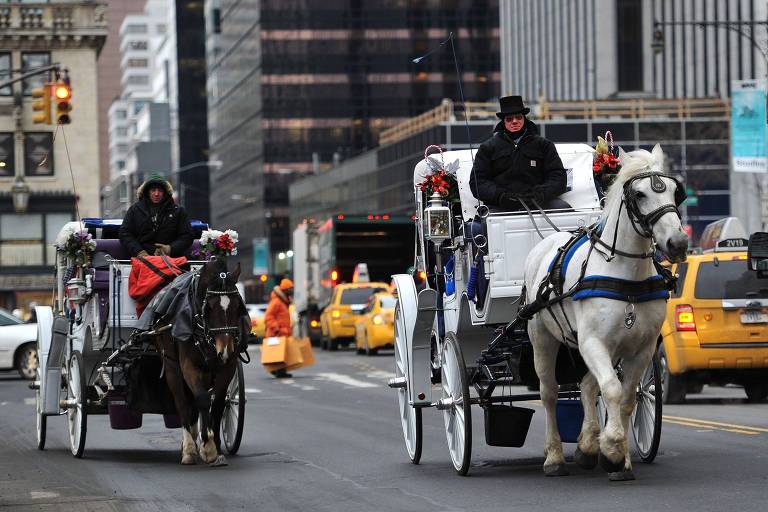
[465, 331]
[93, 359]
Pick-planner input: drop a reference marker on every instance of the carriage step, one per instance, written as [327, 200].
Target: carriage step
[34, 385]
[397, 382]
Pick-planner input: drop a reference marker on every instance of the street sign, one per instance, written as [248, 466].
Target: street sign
[748, 126]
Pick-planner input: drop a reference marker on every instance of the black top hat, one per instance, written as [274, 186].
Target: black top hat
[509, 105]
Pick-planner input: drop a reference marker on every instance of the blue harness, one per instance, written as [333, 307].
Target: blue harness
[653, 288]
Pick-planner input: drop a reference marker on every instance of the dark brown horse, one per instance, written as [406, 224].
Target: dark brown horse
[203, 367]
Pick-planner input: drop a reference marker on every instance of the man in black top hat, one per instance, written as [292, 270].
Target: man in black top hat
[516, 162]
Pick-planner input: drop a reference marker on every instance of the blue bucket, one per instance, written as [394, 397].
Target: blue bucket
[570, 415]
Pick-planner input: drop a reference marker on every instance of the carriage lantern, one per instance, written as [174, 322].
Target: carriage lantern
[76, 291]
[437, 216]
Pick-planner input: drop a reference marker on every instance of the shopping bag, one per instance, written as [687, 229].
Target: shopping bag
[274, 350]
[305, 346]
[293, 355]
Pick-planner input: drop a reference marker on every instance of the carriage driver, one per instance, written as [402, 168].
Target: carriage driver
[517, 162]
[155, 224]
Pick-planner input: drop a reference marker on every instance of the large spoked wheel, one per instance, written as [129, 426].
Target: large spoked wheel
[42, 420]
[410, 417]
[77, 417]
[455, 403]
[646, 418]
[234, 412]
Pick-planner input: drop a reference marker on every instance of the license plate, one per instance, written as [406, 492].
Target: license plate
[754, 317]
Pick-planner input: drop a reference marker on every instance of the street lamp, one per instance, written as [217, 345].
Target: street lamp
[20, 193]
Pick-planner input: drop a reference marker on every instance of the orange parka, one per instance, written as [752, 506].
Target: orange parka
[277, 319]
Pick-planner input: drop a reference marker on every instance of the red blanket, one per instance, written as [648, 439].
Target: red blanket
[149, 275]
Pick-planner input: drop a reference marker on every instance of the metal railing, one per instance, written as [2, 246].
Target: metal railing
[642, 108]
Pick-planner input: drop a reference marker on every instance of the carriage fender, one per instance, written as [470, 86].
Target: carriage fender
[418, 313]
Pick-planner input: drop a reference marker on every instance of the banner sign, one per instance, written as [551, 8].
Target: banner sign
[748, 126]
[260, 256]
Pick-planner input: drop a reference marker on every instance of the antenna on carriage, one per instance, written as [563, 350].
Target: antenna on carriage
[418, 60]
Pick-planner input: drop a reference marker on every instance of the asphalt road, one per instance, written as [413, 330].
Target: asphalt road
[329, 439]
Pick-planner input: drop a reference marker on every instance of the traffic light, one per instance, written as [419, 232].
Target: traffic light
[42, 105]
[62, 94]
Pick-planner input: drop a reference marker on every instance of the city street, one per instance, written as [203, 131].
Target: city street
[330, 439]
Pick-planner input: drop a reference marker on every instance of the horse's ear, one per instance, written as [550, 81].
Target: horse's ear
[622, 155]
[658, 154]
[236, 272]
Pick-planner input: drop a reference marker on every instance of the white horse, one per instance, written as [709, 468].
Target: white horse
[640, 215]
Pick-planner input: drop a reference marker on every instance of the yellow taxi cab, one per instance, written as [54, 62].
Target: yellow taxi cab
[716, 330]
[337, 320]
[375, 327]
[256, 313]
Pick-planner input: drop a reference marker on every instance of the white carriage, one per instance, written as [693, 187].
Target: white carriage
[443, 336]
[90, 354]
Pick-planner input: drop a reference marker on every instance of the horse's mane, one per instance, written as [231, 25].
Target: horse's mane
[632, 164]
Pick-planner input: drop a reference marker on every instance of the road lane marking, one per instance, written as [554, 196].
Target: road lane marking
[346, 380]
[41, 495]
[30, 401]
[709, 423]
[252, 390]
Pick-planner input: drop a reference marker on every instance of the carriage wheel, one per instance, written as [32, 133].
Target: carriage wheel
[234, 412]
[646, 418]
[42, 420]
[410, 417]
[455, 404]
[77, 416]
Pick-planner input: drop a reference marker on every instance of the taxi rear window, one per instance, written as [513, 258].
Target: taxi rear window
[729, 280]
[358, 295]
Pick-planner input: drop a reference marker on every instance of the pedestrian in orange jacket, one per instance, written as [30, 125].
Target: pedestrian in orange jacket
[277, 319]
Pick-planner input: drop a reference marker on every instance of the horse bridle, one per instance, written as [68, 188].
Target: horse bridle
[647, 221]
[643, 223]
[208, 333]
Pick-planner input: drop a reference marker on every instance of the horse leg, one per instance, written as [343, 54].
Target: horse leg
[613, 437]
[633, 371]
[202, 401]
[585, 455]
[545, 350]
[181, 398]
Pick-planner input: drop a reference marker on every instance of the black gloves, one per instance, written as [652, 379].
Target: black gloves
[508, 201]
[540, 194]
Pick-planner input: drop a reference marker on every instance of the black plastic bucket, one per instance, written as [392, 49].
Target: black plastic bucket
[507, 425]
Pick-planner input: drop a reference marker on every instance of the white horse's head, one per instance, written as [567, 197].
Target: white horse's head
[652, 199]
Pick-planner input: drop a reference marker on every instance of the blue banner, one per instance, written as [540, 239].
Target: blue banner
[748, 126]
[260, 256]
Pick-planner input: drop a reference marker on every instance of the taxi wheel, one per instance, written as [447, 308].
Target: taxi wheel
[333, 345]
[756, 391]
[673, 386]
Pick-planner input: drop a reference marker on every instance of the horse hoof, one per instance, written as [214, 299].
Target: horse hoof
[555, 470]
[584, 460]
[608, 466]
[220, 461]
[187, 459]
[621, 476]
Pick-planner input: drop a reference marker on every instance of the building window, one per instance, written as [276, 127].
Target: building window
[38, 154]
[138, 45]
[122, 131]
[138, 63]
[5, 73]
[21, 239]
[137, 80]
[136, 29]
[629, 26]
[31, 61]
[53, 224]
[161, 28]
[7, 160]
[121, 114]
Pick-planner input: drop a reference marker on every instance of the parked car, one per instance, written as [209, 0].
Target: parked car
[375, 327]
[338, 318]
[256, 312]
[716, 329]
[18, 345]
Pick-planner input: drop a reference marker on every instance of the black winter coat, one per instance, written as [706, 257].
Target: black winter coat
[503, 166]
[138, 232]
